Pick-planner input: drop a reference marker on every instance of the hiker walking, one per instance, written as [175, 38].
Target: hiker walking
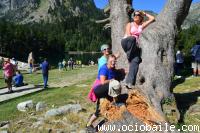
[8, 74]
[130, 44]
[60, 66]
[64, 64]
[31, 62]
[71, 63]
[179, 62]
[196, 59]
[45, 72]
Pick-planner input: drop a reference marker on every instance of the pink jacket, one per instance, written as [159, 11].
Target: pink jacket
[91, 96]
[8, 70]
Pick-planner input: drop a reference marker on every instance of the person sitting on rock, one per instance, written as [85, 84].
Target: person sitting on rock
[130, 44]
[107, 86]
[18, 79]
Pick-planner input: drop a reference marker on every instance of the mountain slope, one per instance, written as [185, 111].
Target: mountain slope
[193, 16]
[26, 11]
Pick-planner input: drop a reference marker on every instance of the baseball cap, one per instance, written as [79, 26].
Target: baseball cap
[104, 46]
[114, 88]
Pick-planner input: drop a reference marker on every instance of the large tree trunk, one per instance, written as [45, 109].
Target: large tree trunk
[157, 43]
[119, 18]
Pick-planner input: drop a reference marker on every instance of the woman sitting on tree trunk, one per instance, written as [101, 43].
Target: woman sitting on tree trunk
[130, 41]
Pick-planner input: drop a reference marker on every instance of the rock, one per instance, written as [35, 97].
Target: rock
[75, 108]
[40, 106]
[32, 113]
[24, 106]
[198, 98]
[64, 110]
[20, 122]
[40, 119]
[59, 131]
[4, 131]
[3, 123]
[82, 131]
[194, 109]
[52, 112]
[5, 126]
[37, 124]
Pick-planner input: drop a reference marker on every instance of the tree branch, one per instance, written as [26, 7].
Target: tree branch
[107, 26]
[103, 21]
[107, 9]
[175, 11]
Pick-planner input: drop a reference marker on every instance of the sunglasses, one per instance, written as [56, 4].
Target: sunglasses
[138, 15]
[106, 49]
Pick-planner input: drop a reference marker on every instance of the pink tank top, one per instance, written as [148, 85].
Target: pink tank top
[136, 31]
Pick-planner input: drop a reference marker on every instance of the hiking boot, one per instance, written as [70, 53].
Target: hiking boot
[127, 85]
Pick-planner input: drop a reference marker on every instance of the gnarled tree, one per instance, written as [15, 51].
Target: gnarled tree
[157, 44]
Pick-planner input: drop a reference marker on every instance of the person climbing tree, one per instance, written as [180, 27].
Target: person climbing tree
[130, 43]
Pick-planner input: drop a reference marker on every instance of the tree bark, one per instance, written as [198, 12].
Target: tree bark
[119, 18]
[157, 44]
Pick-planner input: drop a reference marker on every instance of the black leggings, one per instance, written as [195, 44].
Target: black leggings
[101, 91]
[133, 55]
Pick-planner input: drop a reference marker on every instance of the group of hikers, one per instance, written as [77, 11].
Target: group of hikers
[70, 64]
[13, 76]
[108, 83]
[180, 64]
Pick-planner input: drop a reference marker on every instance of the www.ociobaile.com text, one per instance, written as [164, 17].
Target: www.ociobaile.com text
[144, 128]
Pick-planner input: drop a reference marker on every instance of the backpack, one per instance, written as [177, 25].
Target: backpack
[197, 55]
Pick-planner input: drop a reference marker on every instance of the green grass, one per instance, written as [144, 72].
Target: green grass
[2, 83]
[187, 85]
[187, 93]
[55, 76]
[52, 97]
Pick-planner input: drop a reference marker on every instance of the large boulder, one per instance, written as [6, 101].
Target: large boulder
[52, 112]
[24, 106]
[75, 108]
[40, 106]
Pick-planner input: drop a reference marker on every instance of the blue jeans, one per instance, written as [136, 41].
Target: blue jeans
[45, 79]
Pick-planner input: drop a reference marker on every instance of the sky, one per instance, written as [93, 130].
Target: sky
[154, 5]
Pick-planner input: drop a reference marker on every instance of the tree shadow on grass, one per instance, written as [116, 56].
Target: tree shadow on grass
[184, 101]
[18, 91]
[177, 82]
[185, 74]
